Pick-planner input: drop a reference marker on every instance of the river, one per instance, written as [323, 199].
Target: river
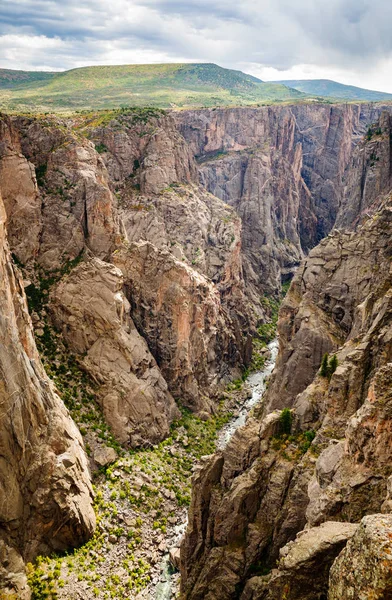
[257, 383]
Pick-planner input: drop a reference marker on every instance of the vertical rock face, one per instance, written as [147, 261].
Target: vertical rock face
[90, 309]
[197, 302]
[44, 480]
[174, 271]
[368, 175]
[282, 168]
[94, 198]
[77, 206]
[254, 497]
[20, 194]
[182, 318]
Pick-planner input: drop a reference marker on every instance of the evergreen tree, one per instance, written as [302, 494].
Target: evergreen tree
[333, 363]
[324, 366]
[286, 419]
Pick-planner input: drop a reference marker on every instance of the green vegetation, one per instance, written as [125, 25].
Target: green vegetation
[164, 85]
[293, 446]
[286, 420]
[328, 366]
[332, 89]
[151, 484]
[166, 470]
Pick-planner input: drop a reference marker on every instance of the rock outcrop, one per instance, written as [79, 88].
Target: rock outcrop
[368, 176]
[266, 486]
[187, 329]
[283, 169]
[46, 495]
[91, 311]
[185, 221]
[304, 565]
[364, 568]
[20, 194]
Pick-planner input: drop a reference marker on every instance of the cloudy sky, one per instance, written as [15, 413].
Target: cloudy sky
[346, 40]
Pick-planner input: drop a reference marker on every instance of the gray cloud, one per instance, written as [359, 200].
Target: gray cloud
[351, 34]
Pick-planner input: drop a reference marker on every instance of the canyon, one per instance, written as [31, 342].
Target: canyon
[142, 255]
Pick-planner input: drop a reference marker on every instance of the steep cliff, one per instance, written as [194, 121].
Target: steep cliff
[283, 170]
[136, 181]
[46, 495]
[148, 240]
[329, 461]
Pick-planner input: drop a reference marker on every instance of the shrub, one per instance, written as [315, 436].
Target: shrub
[324, 366]
[285, 420]
[333, 364]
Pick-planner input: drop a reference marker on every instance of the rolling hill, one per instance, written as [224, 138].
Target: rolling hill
[331, 89]
[159, 85]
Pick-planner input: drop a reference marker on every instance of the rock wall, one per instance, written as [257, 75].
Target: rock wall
[101, 186]
[91, 311]
[283, 169]
[266, 486]
[44, 479]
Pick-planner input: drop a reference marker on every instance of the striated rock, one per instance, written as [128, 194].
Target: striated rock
[368, 175]
[147, 148]
[20, 194]
[363, 569]
[88, 306]
[331, 300]
[44, 480]
[78, 208]
[244, 503]
[267, 488]
[304, 565]
[283, 170]
[180, 313]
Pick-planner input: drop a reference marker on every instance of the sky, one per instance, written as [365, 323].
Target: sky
[346, 40]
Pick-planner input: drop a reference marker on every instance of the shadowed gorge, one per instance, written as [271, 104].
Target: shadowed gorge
[145, 254]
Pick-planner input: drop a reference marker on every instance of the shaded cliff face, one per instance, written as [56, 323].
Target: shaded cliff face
[368, 175]
[282, 168]
[103, 183]
[251, 500]
[44, 479]
[90, 309]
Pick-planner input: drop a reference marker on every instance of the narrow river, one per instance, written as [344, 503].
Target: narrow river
[257, 382]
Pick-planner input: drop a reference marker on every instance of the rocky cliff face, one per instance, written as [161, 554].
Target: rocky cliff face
[91, 311]
[268, 485]
[136, 183]
[283, 169]
[44, 480]
[179, 224]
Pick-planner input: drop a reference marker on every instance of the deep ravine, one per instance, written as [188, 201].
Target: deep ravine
[168, 586]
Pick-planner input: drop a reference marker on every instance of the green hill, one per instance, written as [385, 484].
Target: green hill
[332, 89]
[162, 85]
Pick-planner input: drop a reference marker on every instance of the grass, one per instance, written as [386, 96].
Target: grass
[164, 85]
[164, 491]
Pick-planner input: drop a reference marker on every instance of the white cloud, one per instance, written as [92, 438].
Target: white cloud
[347, 40]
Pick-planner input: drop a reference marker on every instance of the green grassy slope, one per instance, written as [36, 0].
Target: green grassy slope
[162, 85]
[332, 89]
[10, 79]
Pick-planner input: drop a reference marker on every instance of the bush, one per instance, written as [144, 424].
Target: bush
[286, 420]
[324, 366]
[328, 367]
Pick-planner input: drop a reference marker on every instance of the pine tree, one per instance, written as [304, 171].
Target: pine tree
[333, 363]
[324, 370]
[286, 419]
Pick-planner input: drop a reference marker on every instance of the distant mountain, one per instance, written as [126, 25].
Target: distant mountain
[162, 85]
[331, 89]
